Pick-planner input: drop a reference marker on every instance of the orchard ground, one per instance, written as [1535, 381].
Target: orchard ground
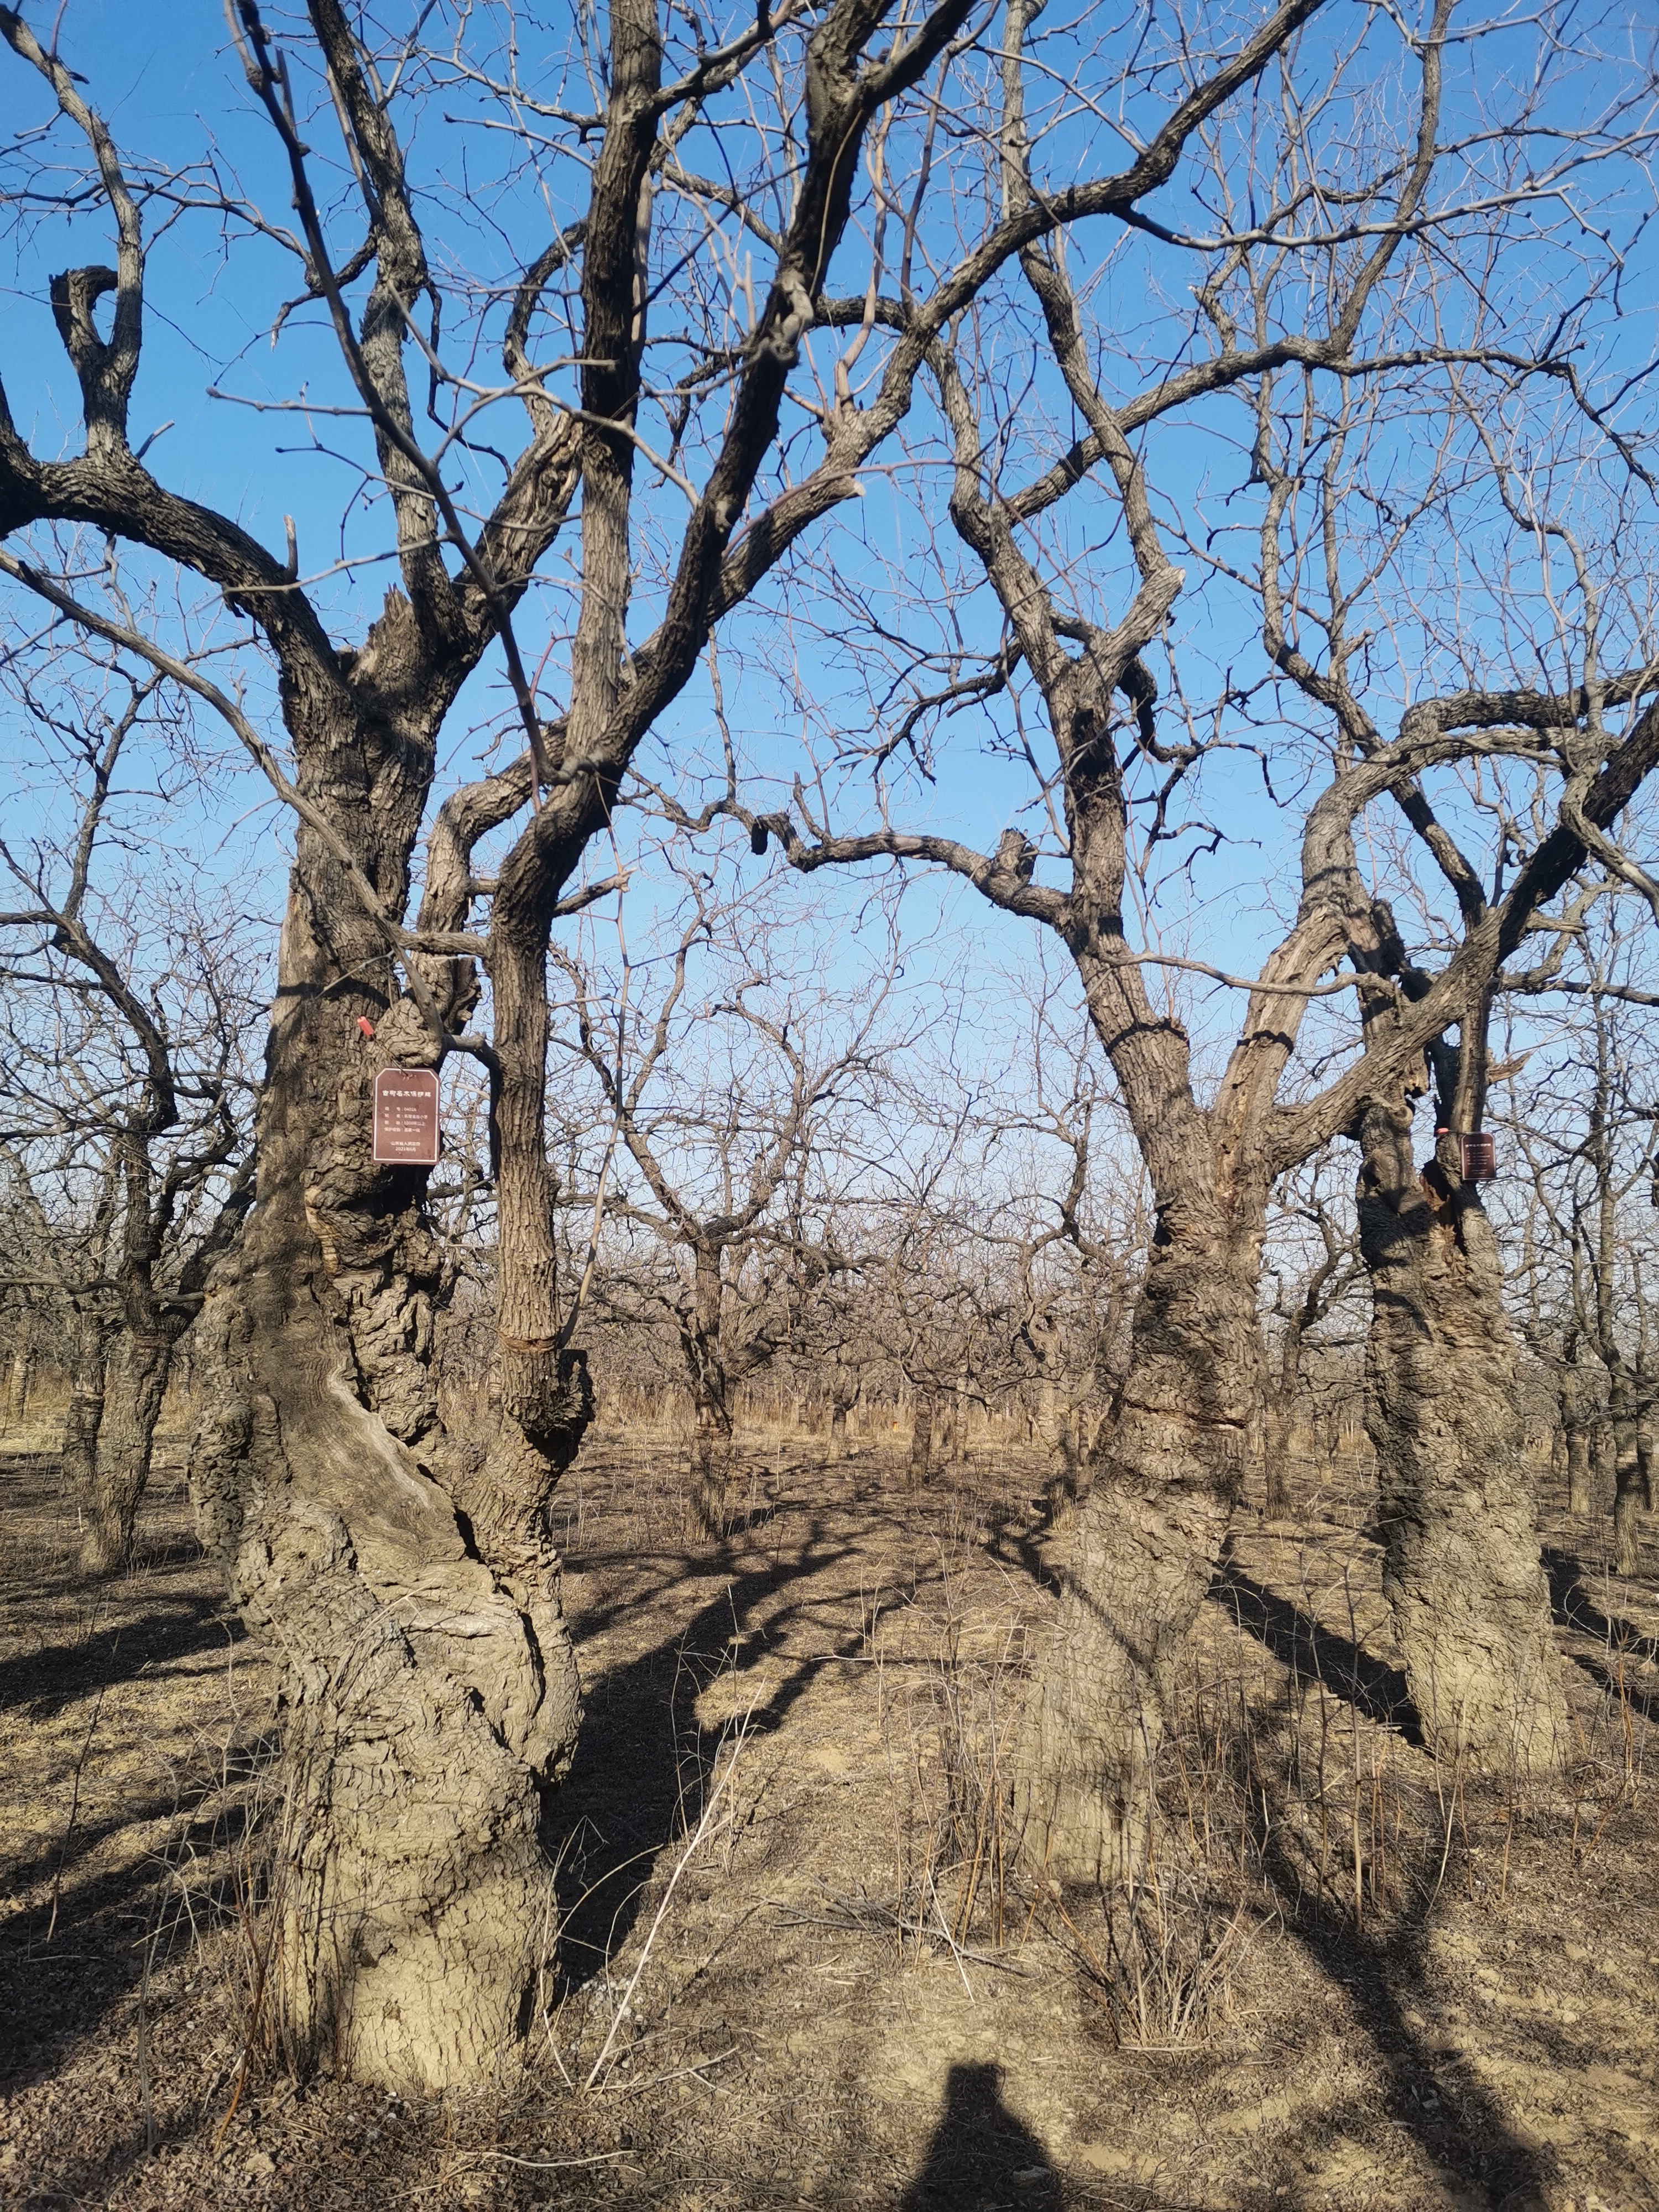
[791, 1956]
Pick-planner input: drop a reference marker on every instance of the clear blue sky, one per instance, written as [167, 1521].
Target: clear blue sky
[174, 94]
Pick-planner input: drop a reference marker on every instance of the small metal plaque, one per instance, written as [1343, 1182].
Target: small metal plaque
[1480, 1157]
[406, 1117]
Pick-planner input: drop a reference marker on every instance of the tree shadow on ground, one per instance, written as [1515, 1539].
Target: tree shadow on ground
[62, 1974]
[1311, 1651]
[1436, 2096]
[70, 1960]
[645, 1761]
[980, 2155]
[1385, 1972]
[1574, 1608]
[57, 1993]
[1014, 1540]
[45, 1680]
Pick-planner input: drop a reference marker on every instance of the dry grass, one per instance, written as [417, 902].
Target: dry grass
[792, 1956]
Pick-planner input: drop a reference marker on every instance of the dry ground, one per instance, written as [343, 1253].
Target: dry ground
[788, 1962]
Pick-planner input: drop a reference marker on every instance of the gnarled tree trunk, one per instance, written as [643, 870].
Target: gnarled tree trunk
[143, 1344]
[1604, 1463]
[1579, 1473]
[844, 1395]
[1053, 1423]
[1278, 1419]
[1146, 1540]
[1461, 1569]
[403, 1580]
[711, 1467]
[1054, 1427]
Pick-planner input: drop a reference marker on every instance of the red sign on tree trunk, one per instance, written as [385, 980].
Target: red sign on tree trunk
[406, 1117]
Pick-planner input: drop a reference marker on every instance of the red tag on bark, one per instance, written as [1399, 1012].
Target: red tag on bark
[406, 1117]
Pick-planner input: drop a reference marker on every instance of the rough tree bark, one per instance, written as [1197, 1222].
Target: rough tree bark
[701, 1335]
[153, 1321]
[1604, 1461]
[1279, 1421]
[135, 1384]
[89, 1357]
[1146, 1539]
[1443, 1409]
[1630, 1478]
[1324, 1283]
[1576, 1429]
[20, 1381]
[404, 1579]
[711, 1465]
[919, 1464]
[1053, 1423]
[843, 1396]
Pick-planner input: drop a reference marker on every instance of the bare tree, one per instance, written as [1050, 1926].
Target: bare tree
[1304, 1297]
[128, 1013]
[1079, 1246]
[413, 1595]
[418, 1597]
[1316, 338]
[734, 1106]
[1581, 1117]
[61, 1209]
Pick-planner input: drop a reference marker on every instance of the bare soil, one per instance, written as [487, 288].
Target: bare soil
[790, 1960]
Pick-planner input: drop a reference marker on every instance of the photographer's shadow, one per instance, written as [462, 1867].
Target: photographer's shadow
[980, 2155]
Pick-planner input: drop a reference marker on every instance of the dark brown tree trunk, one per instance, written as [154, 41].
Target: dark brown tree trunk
[1281, 1415]
[843, 1393]
[711, 1396]
[919, 1463]
[134, 1384]
[961, 1413]
[1053, 1427]
[1603, 1463]
[139, 1352]
[1579, 1473]
[1630, 1486]
[711, 1468]
[1461, 1569]
[1147, 1538]
[1570, 1393]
